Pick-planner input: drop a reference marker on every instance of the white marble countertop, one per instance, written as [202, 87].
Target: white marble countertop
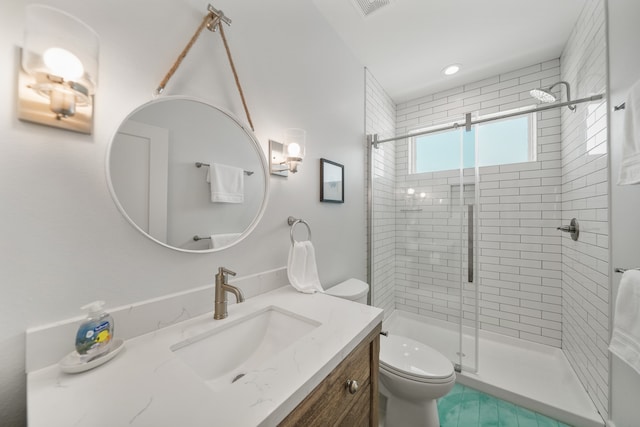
[148, 385]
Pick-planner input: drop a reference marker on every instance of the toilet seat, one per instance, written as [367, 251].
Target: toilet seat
[414, 361]
[422, 380]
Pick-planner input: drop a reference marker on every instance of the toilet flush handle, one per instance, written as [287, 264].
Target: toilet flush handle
[352, 386]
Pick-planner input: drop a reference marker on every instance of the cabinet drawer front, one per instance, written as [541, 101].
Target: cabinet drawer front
[329, 402]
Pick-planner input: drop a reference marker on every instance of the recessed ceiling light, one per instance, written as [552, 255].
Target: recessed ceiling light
[451, 69]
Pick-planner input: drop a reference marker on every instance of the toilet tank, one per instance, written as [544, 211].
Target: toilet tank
[351, 289]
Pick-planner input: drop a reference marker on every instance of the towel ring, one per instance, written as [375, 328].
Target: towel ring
[295, 221]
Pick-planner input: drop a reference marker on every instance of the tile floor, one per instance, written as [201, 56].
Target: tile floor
[466, 407]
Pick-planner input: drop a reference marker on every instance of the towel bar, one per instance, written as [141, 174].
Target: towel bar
[295, 221]
[196, 238]
[200, 164]
[622, 270]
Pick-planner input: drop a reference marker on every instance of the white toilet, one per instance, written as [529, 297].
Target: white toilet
[412, 377]
[351, 289]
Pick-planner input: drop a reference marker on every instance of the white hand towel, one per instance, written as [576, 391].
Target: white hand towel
[625, 339]
[301, 268]
[630, 164]
[220, 240]
[227, 183]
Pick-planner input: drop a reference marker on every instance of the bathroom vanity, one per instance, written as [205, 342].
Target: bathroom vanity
[348, 396]
[280, 358]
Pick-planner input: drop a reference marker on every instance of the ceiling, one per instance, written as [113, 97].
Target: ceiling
[407, 43]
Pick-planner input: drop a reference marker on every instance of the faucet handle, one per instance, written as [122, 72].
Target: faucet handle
[224, 270]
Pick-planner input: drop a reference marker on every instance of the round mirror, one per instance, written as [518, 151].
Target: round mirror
[188, 175]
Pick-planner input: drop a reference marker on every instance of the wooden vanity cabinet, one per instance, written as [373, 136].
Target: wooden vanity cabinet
[333, 402]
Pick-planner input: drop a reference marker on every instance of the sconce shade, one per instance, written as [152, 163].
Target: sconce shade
[294, 141]
[63, 63]
[293, 149]
[58, 44]
[59, 72]
[284, 157]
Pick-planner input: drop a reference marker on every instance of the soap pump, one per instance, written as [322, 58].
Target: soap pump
[95, 332]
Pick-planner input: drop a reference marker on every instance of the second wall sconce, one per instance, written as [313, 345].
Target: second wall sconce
[285, 157]
[59, 72]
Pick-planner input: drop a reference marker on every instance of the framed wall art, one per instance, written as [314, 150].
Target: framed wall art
[331, 181]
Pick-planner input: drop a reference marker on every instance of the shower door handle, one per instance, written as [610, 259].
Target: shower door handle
[470, 244]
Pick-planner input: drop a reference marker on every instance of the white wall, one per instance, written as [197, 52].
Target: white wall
[65, 243]
[624, 71]
[585, 262]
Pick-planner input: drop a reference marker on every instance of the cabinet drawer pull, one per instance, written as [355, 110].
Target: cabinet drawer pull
[352, 386]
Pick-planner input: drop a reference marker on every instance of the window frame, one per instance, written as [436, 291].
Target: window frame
[446, 127]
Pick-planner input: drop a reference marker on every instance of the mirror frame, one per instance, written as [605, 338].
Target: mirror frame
[255, 144]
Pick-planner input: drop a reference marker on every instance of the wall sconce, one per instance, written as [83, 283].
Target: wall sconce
[59, 73]
[285, 157]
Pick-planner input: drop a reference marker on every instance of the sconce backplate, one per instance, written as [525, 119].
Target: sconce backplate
[277, 159]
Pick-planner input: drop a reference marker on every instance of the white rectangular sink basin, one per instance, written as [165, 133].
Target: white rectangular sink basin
[225, 354]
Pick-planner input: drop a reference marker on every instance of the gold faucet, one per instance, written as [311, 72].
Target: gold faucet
[222, 287]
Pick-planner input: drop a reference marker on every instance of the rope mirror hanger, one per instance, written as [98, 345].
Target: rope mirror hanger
[212, 21]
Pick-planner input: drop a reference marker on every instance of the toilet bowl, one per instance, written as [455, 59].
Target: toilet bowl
[351, 289]
[412, 376]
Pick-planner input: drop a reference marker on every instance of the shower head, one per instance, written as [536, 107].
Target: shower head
[543, 95]
[546, 96]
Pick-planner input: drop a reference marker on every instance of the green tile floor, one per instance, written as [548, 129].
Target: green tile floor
[466, 407]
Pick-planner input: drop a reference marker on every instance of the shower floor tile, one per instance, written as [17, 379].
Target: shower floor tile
[466, 407]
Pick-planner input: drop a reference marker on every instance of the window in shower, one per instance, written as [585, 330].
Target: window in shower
[503, 141]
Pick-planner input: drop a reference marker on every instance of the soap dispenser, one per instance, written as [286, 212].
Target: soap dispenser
[94, 333]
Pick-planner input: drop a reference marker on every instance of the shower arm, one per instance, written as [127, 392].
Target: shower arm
[567, 87]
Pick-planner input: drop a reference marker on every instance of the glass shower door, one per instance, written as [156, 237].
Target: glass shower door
[465, 198]
[463, 230]
[424, 214]
[437, 229]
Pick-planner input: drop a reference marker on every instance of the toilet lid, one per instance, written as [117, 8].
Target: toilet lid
[349, 289]
[412, 358]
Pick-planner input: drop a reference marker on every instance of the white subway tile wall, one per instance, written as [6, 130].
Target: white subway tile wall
[585, 263]
[380, 119]
[519, 249]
